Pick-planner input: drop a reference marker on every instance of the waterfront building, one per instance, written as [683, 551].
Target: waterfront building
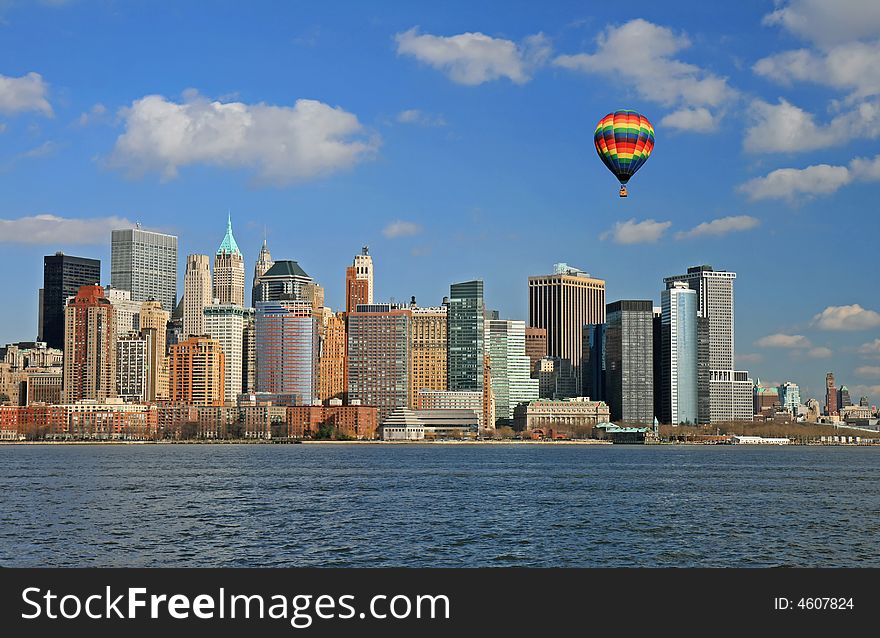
[63, 275]
[359, 281]
[196, 294]
[89, 346]
[789, 396]
[145, 263]
[575, 415]
[197, 374]
[379, 357]
[536, 346]
[428, 350]
[831, 397]
[402, 424]
[263, 420]
[133, 366]
[843, 398]
[154, 321]
[511, 381]
[629, 364]
[452, 400]
[343, 421]
[556, 378]
[228, 323]
[332, 379]
[562, 303]
[286, 344]
[228, 285]
[488, 395]
[465, 317]
[264, 263]
[285, 280]
[106, 419]
[731, 396]
[679, 355]
[125, 310]
[766, 399]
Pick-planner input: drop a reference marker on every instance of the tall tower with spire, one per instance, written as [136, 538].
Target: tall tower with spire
[229, 270]
[264, 263]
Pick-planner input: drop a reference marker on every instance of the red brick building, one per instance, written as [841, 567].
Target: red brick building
[354, 421]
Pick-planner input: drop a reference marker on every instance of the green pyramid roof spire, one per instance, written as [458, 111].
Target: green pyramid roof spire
[228, 244]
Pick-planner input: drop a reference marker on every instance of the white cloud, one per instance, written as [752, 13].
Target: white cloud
[401, 228]
[754, 357]
[633, 232]
[824, 22]
[784, 127]
[282, 144]
[870, 349]
[866, 169]
[868, 371]
[52, 229]
[852, 317]
[475, 58]
[780, 340]
[853, 67]
[698, 120]
[794, 183]
[420, 118]
[95, 113]
[720, 226]
[27, 93]
[819, 353]
[642, 55]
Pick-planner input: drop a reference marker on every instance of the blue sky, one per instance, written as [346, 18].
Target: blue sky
[456, 141]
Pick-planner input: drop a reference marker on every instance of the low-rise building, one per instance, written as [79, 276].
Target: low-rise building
[337, 420]
[572, 415]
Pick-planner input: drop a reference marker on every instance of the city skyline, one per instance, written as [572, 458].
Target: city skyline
[487, 167]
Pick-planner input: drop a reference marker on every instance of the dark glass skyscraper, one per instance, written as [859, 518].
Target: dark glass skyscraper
[465, 342]
[62, 277]
[629, 361]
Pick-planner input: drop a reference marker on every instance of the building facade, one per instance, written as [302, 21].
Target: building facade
[511, 381]
[196, 294]
[145, 263]
[563, 303]
[197, 371]
[570, 415]
[228, 285]
[536, 346]
[63, 275]
[332, 374]
[286, 344]
[126, 311]
[629, 361]
[679, 355]
[154, 321]
[359, 281]
[89, 347]
[428, 354]
[789, 396]
[227, 323]
[284, 281]
[465, 336]
[263, 264]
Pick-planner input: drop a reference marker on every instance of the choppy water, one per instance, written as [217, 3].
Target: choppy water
[438, 505]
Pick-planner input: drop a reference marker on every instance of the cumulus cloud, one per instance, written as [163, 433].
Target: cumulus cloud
[819, 353]
[795, 183]
[870, 349]
[852, 317]
[780, 340]
[642, 55]
[52, 229]
[475, 58]
[720, 226]
[420, 118]
[97, 112]
[401, 228]
[633, 232]
[700, 120]
[27, 93]
[868, 371]
[282, 144]
[826, 23]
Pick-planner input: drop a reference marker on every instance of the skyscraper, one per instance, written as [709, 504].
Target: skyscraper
[145, 263]
[843, 398]
[629, 361]
[197, 372]
[89, 346]
[126, 311]
[831, 407]
[679, 352]
[511, 381]
[359, 281]
[466, 334]
[332, 380]
[227, 323]
[62, 277]
[285, 280]
[264, 263]
[563, 303]
[536, 346]
[428, 336]
[155, 320]
[196, 294]
[592, 371]
[379, 357]
[286, 344]
[133, 365]
[789, 396]
[229, 270]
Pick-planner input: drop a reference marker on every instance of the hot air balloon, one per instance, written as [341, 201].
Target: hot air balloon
[624, 140]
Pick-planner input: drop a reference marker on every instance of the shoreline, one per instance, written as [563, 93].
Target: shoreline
[582, 442]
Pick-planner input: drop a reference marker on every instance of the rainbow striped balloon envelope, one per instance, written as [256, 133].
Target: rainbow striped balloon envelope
[624, 140]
